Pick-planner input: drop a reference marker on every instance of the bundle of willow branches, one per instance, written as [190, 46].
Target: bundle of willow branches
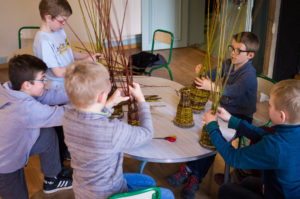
[228, 17]
[106, 38]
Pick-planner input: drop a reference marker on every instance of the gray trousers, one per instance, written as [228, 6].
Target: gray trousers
[13, 185]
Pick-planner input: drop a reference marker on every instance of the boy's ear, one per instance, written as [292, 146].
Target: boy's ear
[251, 55]
[102, 98]
[26, 85]
[48, 18]
[283, 117]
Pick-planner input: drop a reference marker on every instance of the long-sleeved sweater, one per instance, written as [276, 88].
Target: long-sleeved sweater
[96, 145]
[277, 154]
[21, 117]
[239, 95]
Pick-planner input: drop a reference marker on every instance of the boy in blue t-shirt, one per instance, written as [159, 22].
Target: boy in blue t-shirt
[239, 98]
[277, 154]
[51, 43]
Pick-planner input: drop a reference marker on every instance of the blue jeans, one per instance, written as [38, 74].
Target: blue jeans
[137, 181]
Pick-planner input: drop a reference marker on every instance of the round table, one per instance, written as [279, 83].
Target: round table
[186, 147]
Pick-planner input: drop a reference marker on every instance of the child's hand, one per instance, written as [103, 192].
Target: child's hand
[94, 57]
[116, 98]
[223, 114]
[136, 92]
[203, 83]
[209, 117]
[198, 68]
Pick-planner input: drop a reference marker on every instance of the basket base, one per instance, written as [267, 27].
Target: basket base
[118, 115]
[189, 125]
[211, 147]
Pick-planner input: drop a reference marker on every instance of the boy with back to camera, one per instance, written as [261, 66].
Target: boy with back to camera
[277, 154]
[97, 143]
[26, 113]
[239, 98]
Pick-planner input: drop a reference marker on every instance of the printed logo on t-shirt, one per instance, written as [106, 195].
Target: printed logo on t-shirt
[63, 47]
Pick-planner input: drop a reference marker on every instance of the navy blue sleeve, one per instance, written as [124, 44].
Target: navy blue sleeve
[245, 129]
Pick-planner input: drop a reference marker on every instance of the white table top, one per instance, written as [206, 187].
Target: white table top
[186, 147]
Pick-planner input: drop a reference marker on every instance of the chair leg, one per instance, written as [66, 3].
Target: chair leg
[170, 73]
[226, 173]
[244, 141]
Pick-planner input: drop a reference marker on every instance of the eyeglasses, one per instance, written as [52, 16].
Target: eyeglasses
[40, 80]
[61, 22]
[237, 51]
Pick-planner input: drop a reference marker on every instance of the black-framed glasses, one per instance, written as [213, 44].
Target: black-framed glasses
[237, 51]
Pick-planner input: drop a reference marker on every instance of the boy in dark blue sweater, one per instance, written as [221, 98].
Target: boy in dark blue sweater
[239, 98]
[277, 154]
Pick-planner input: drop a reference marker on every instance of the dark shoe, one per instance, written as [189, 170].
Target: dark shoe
[52, 185]
[190, 187]
[67, 155]
[179, 177]
[219, 178]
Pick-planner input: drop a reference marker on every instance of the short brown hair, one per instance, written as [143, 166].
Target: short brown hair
[250, 40]
[54, 8]
[84, 81]
[286, 95]
[23, 68]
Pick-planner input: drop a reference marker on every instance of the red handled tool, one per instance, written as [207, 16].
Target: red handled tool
[170, 138]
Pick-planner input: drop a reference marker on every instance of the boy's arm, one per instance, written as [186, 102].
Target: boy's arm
[128, 137]
[54, 96]
[245, 129]
[37, 115]
[259, 156]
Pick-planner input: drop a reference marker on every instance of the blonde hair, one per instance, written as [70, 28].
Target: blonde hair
[84, 81]
[286, 95]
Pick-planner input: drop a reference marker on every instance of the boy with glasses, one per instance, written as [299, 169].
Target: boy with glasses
[239, 98]
[51, 43]
[27, 111]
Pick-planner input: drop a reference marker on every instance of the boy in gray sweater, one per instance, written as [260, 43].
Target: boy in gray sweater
[95, 142]
[25, 118]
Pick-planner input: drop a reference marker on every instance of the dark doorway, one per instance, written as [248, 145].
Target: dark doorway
[287, 57]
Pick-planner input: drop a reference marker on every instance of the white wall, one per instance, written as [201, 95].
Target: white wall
[17, 13]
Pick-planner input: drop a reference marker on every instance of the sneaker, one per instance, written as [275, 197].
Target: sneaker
[52, 185]
[190, 187]
[179, 177]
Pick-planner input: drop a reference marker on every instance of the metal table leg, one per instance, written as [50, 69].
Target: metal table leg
[142, 166]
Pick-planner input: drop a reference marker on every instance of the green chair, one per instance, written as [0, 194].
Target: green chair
[147, 193]
[264, 85]
[20, 32]
[166, 37]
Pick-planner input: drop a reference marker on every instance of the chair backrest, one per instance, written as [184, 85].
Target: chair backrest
[147, 193]
[20, 35]
[264, 85]
[165, 37]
